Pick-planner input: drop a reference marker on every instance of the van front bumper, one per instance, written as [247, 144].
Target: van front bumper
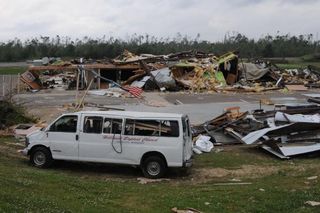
[23, 151]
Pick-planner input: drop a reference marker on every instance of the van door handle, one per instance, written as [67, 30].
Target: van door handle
[77, 137]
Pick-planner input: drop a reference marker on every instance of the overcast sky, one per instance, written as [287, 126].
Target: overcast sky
[161, 18]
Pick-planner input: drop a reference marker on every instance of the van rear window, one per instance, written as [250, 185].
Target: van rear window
[164, 128]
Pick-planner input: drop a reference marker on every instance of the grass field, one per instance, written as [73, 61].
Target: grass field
[298, 65]
[12, 70]
[300, 62]
[276, 186]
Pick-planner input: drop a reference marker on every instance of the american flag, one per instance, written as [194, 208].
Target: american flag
[135, 91]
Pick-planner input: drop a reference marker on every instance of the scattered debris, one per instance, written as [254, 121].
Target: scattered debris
[312, 203]
[312, 178]
[217, 150]
[163, 78]
[187, 210]
[178, 102]
[202, 144]
[22, 130]
[156, 103]
[111, 92]
[296, 88]
[232, 184]
[146, 180]
[31, 79]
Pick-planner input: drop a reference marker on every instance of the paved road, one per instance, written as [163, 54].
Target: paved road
[234, 97]
[13, 64]
[200, 107]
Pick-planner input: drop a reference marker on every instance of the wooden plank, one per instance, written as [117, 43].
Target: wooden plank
[133, 78]
[103, 67]
[296, 87]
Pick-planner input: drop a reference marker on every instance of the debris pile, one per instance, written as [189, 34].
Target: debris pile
[202, 143]
[22, 130]
[187, 210]
[285, 132]
[189, 70]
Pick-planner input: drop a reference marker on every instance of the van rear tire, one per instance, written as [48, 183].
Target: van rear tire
[154, 167]
[41, 157]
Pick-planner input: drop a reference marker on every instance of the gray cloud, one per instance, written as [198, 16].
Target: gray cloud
[299, 1]
[161, 18]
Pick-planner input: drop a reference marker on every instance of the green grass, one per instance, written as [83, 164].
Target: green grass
[74, 187]
[301, 65]
[230, 159]
[12, 70]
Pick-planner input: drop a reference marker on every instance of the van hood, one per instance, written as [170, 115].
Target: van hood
[38, 134]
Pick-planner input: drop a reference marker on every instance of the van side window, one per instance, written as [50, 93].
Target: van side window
[147, 127]
[129, 127]
[142, 127]
[152, 128]
[66, 123]
[92, 124]
[112, 126]
[170, 128]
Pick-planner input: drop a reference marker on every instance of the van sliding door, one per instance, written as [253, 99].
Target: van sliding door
[99, 139]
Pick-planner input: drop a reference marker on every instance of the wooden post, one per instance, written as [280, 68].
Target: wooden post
[77, 86]
[18, 87]
[3, 94]
[18, 84]
[118, 77]
[99, 80]
[85, 93]
[10, 88]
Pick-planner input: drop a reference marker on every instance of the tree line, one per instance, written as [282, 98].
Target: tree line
[267, 46]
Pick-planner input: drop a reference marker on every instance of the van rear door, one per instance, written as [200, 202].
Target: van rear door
[187, 139]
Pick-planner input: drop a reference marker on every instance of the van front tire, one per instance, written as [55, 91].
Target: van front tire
[41, 157]
[154, 167]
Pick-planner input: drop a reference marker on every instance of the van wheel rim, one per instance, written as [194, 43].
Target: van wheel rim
[153, 168]
[39, 158]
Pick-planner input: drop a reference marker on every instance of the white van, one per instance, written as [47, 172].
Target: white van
[154, 141]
